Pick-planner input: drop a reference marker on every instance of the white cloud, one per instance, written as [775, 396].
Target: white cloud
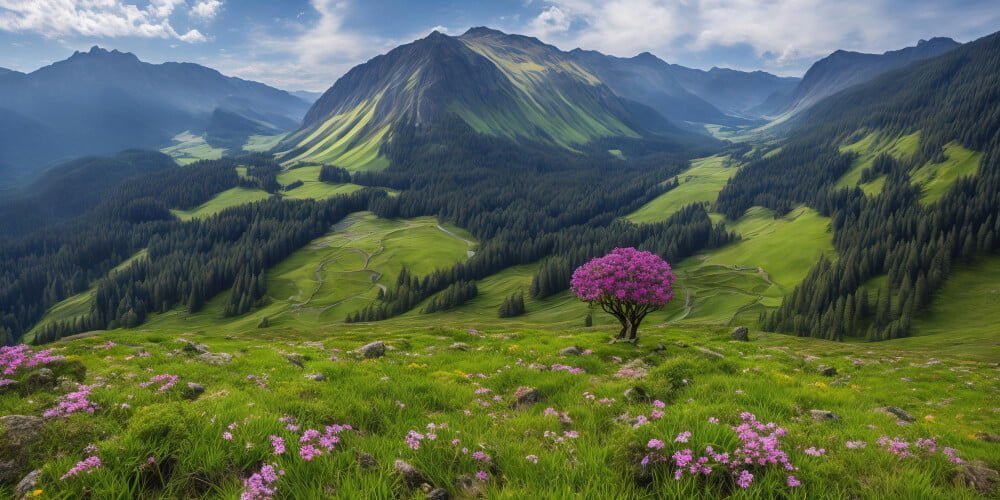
[206, 9]
[94, 18]
[551, 21]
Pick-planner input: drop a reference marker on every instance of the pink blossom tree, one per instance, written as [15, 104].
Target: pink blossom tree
[628, 284]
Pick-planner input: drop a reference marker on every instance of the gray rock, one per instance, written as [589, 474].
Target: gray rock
[741, 333]
[525, 396]
[296, 359]
[978, 476]
[372, 350]
[538, 367]
[193, 390]
[989, 437]
[20, 431]
[42, 377]
[316, 377]
[459, 346]
[366, 461]
[710, 353]
[195, 348]
[10, 471]
[437, 494]
[659, 348]
[899, 413]
[827, 371]
[570, 351]
[412, 477]
[216, 358]
[823, 415]
[636, 394]
[27, 484]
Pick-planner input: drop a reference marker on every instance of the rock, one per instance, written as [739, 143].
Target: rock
[710, 353]
[296, 359]
[469, 487]
[823, 415]
[525, 396]
[459, 346]
[10, 471]
[437, 494]
[316, 377]
[827, 371]
[366, 461]
[899, 413]
[193, 390]
[27, 484]
[20, 431]
[808, 357]
[194, 348]
[659, 348]
[636, 394]
[989, 437]
[570, 351]
[372, 350]
[978, 476]
[42, 377]
[10, 387]
[537, 366]
[412, 477]
[66, 384]
[741, 333]
[216, 358]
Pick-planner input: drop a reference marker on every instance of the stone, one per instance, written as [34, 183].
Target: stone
[827, 371]
[978, 476]
[412, 477]
[459, 346]
[741, 333]
[195, 348]
[366, 461]
[989, 437]
[823, 415]
[10, 471]
[20, 431]
[316, 377]
[27, 484]
[899, 413]
[659, 348]
[216, 358]
[525, 396]
[469, 487]
[537, 366]
[296, 359]
[636, 394]
[437, 494]
[372, 350]
[42, 377]
[193, 390]
[570, 351]
[710, 353]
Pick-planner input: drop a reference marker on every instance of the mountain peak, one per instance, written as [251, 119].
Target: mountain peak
[96, 52]
[482, 31]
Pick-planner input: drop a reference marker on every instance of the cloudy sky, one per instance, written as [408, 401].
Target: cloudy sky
[307, 44]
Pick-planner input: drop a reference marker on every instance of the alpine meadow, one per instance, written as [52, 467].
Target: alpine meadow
[476, 263]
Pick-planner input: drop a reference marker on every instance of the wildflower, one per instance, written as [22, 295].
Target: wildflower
[73, 402]
[854, 445]
[659, 404]
[481, 456]
[952, 455]
[532, 458]
[793, 482]
[278, 444]
[308, 452]
[482, 476]
[745, 479]
[166, 381]
[260, 485]
[683, 437]
[413, 439]
[86, 465]
[640, 421]
[656, 414]
[812, 451]
[655, 444]
[713, 420]
[228, 436]
[483, 390]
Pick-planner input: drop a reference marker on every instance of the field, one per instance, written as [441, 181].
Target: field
[311, 186]
[262, 143]
[226, 199]
[870, 147]
[937, 178]
[699, 184]
[191, 148]
[464, 380]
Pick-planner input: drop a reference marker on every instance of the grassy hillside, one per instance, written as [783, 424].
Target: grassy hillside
[699, 184]
[937, 178]
[171, 443]
[311, 186]
[191, 148]
[870, 147]
[228, 198]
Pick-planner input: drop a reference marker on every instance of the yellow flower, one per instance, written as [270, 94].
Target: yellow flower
[36, 493]
[512, 348]
[821, 385]
[929, 418]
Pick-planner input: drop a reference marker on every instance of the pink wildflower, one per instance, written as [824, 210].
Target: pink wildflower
[278, 444]
[793, 482]
[683, 437]
[655, 444]
[86, 465]
[745, 479]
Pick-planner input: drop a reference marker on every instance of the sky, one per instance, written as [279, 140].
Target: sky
[308, 44]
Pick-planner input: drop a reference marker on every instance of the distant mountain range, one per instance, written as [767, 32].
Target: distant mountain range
[106, 101]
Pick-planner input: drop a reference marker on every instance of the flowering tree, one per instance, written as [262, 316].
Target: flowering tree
[627, 283]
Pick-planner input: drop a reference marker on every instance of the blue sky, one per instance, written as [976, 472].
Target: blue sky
[307, 44]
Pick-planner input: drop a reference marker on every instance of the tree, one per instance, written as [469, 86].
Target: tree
[628, 284]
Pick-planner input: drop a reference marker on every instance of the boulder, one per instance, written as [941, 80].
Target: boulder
[978, 476]
[193, 390]
[372, 350]
[20, 431]
[525, 396]
[570, 351]
[412, 477]
[27, 484]
[366, 461]
[741, 333]
[989, 437]
[296, 359]
[40, 378]
[899, 413]
[827, 371]
[823, 415]
[316, 377]
[636, 394]
[437, 494]
[194, 348]
[216, 358]
[459, 346]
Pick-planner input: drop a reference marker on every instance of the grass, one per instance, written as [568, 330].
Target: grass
[191, 148]
[311, 186]
[226, 199]
[937, 178]
[699, 184]
[345, 140]
[422, 381]
[870, 147]
[263, 143]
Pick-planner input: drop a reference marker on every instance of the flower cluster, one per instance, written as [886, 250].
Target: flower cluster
[12, 358]
[165, 380]
[627, 275]
[566, 368]
[561, 415]
[260, 485]
[312, 443]
[73, 402]
[927, 446]
[86, 465]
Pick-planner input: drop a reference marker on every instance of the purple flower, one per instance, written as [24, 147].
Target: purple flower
[532, 458]
[278, 444]
[260, 485]
[745, 479]
[86, 465]
[655, 444]
[683, 437]
[482, 476]
[793, 482]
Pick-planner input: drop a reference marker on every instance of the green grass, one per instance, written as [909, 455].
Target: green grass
[191, 148]
[262, 143]
[226, 199]
[870, 147]
[342, 140]
[699, 184]
[422, 381]
[937, 178]
[311, 186]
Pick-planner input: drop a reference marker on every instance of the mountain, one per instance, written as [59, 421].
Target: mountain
[305, 95]
[105, 101]
[502, 85]
[737, 93]
[844, 69]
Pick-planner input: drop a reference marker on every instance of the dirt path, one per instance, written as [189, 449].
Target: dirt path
[469, 253]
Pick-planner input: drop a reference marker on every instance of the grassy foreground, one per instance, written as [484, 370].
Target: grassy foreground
[171, 443]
